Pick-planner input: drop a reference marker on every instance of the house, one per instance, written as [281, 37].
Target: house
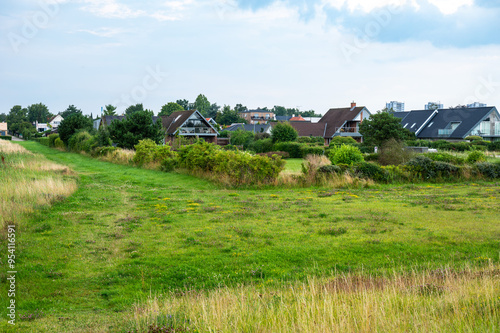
[3, 129]
[283, 118]
[453, 124]
[188, 124]
[53, 124]
[344, 122]
[257, 116]
[255, 128]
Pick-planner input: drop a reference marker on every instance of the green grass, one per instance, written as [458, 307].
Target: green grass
[293, 165]
[127, 233]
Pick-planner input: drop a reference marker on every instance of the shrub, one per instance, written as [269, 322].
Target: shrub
[282, 154]
[394, 152]
[474, 138]
[81, 141]
[293, 148]
[371, 171]
[261, 146]
[490, 170]
[283, 132]
[5, 137]
[144, 152]
[475, 157]
[261, 136]
[242, 138]
[346, 154]
[311, 139]
[330, 169]
[494, 146]
[44, 141]
[147, 151]
[199, 156]
[52, 139]
[446, 157]
[58, 143]
[310, 150]
[343, 140]
[103, 151]
[425, 168]
[372, 157]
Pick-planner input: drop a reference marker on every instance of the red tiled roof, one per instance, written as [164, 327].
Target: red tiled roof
[299, 118]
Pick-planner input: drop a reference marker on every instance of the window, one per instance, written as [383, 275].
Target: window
[413, 125]
[405, 125]
[430, 124]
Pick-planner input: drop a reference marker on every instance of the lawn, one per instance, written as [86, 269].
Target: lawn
[128, 233]
[293, 165]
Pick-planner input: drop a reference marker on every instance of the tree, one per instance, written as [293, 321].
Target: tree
[240, 137]
[17, 120]
[71, 110]
[38, 112]
[133, 109]
[184, 103]
[283, 132]
[137, 126]
[109, 110]
[74, 123]
[228, 116]
[3, 117]
[240, 108]
[381, 127]
[168, 109]
[202, 104]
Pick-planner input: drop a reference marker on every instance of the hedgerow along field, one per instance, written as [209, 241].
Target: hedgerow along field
[128, 234]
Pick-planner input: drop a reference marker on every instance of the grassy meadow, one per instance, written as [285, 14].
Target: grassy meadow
[133, 247]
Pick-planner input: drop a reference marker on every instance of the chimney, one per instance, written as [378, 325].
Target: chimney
[353, 105]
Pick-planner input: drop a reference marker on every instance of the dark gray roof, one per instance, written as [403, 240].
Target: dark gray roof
[248, 127]
[400, 115]
[336, 118]
[305, 128]
[469, 118]
[415, 119]
[283, 118]
[109, 119]
[258, 110]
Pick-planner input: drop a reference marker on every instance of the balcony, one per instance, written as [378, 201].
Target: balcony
[347, 129]
[195, 130]
[260, 118]
[445, 132]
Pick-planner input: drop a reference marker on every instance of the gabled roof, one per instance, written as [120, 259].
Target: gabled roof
[172, 123]
[415, 119]
[336, 118]
[249, 127]
[309, 129]
[109, 119]
[401, 115]
[468, 118]
[299, 118]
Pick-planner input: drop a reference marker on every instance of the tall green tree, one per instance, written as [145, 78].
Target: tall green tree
[71, 110]
[202, 104]
[17, 120]
[228, 116]
[133, 109]
[3, 117]
[212, 111]
[240, 108]
[74, 123]
[184, 103]
[284, 132]
[381, 127]
[169, 108]
[38, 112]
[109, 110]
[137, 126]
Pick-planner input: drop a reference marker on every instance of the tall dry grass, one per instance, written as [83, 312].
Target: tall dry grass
[434, 301]
[29, 181]
[120, 156]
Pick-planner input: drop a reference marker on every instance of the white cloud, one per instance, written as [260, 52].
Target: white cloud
[111, 9]
[450, 6]
[103, 32]
[445, 6]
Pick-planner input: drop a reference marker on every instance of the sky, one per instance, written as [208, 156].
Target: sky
[310, 55]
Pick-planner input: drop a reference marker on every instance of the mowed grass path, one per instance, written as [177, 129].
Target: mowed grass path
[127, 233]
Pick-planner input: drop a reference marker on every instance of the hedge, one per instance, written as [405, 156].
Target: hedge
[5, 137]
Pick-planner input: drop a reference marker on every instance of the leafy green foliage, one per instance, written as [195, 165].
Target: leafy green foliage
[72, 124]
[138, 126]
[134, 108]
[52, 139]
[81, 141]
[494, 146]
[71, 110]
[109, 110]
[228, 117]
[346, 154]
[58, 143]
[17, 120]
[490, 170]
[262, 146]
[147, 151]
[475, 157]
[423, 167]
[38, 112]
[284, 132]
[381, 127]
[202, 105]
[241, 137]
[371, 171]
[293, 148]
[394, 152]
[169, 108]
[446, 157]
[330, 169]
[343, 140]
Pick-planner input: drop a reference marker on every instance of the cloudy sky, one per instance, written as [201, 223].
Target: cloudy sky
[313, 54]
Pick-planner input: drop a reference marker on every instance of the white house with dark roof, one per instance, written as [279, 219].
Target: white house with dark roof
[452, 124]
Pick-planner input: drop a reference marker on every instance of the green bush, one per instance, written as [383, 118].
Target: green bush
[311, 150]
[494, 146]
[81, 141]
[147, 151]
[446, 145]
[5, 137]
[311, 139]
[475, 157]
[144, 152]
[446, 157]
[425, 168]
[371, 171]
[474, 138]
[103, 151]
[241, 138]
[330, 169]
[198, 157]
[373, 157]
[44, 141]
[490, 170]
[58, 143]
[283, 132]
[293, 148]
[346, 154]
[394, 152]
[52, 139]
[261, 146]
[282, 154]
[343, 140]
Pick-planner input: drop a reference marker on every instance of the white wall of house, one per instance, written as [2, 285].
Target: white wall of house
[362, 115]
